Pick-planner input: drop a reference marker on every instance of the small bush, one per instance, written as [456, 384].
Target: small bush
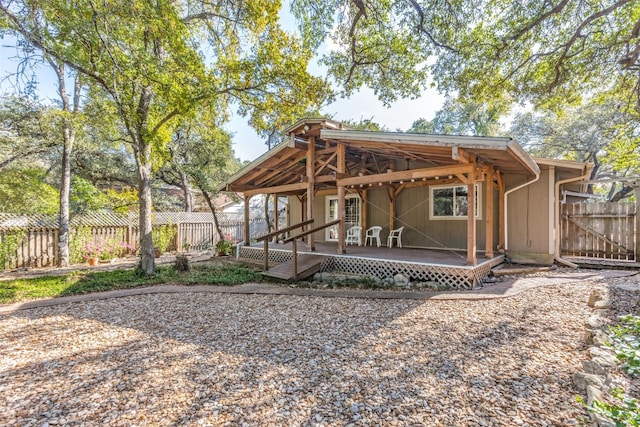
[9, 243]
[182, 263]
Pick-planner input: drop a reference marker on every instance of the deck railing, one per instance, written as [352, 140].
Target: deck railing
[275, 233]
[293, 240]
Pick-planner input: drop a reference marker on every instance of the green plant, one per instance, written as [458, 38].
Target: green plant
[625, 340]
[163, 236]
[9, 243]
[83, 282]
[78, 242]
[223, 247]
[626, 413]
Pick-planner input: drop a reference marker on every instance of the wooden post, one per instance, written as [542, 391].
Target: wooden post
[636, 251]
[247, 226]
[311, 186]
[501, 221]
[365, 216]
[266, 254]
[294, 254]
[275, 216]
[178, 237]
[392, 207]
[471, 218]
[341, 166]
[488, 223]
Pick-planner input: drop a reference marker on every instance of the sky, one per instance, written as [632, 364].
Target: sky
[247, 144]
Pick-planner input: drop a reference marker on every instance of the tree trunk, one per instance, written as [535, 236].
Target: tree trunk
[68, 138]
[266, 213]
[188, 199]
[143, 162]
[213, 211]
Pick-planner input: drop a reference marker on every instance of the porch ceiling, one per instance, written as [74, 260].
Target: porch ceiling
[284, 168]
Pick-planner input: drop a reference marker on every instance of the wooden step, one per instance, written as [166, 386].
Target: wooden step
[308, 265]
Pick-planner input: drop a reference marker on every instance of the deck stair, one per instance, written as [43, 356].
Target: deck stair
[308, 265]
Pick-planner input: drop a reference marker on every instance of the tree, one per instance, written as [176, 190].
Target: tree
[24, 133]
[148, 59]
[202, 151]
[69, 110]
[465, 118]
[546, 52]
[33, 196]
[600, 132]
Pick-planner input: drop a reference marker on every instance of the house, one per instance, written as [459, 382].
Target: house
[481, 198]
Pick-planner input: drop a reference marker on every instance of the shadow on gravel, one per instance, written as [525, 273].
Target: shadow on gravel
[257, 359]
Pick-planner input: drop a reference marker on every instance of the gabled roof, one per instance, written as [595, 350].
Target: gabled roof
[370, 153]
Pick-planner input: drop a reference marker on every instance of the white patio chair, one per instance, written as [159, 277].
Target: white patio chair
[354, 235]
[397, 235]
[371, 234]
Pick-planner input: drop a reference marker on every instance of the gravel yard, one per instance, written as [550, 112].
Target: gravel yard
[224, 359]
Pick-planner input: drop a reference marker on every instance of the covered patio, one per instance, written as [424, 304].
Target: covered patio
[447, 192]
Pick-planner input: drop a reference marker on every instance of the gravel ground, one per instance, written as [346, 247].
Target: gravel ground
[221, 359]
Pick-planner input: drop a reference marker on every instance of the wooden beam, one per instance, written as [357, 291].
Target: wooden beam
[471, 220]
[459, 154]
[488, 185]
[341, 163]
[501, 222]
[325, 163]
[392, 207]
[286, 188]
[407, 175]
[364, 195]
[246, 229]
[275, 216]
[311, 187]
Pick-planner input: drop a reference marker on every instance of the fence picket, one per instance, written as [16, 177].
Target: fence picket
[196, 231]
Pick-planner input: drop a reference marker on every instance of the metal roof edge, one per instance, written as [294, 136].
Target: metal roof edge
[524, 157]
[317, 120]
[486, 142]
[571, 164]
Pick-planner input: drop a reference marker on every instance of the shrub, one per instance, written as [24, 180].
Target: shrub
[163, 236]
[9, 243]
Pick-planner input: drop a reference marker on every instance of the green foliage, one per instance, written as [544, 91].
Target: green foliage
[600, 131]
[163, 236]
[9, 243]
[365, 124]
[154, 63]
[624, 414]
[459, 117]
[547, 52]
[625, 339]
[84, 282]
[24, 190]
[85, 197]
[26, 131]
[80, 238]
[224, 247]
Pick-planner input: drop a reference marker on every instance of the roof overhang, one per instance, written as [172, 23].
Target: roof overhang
[497, 151]
[283, 170]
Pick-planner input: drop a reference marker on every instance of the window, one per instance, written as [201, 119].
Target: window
[352, 210]
[452, 202]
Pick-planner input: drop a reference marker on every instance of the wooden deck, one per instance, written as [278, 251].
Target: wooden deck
[444, 266]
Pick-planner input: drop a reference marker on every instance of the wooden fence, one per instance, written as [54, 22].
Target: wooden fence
[603, 230]
[193, 231]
